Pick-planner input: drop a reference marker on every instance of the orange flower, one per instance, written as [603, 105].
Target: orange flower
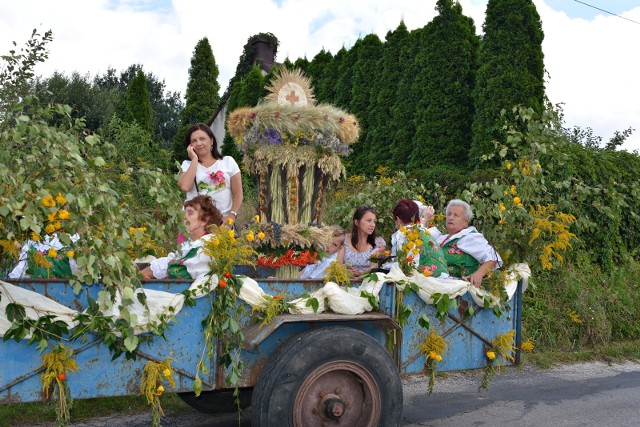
[222, 283]
[227, 274]
[62, 376]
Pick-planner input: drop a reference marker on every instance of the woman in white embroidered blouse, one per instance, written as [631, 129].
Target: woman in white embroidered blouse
[208, 172]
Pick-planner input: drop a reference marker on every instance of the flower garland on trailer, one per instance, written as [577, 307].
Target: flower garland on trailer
[152, 386]
[502, 345]
[56, 365]
[433, 347]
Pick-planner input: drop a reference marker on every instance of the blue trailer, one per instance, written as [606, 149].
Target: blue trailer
[299, 370]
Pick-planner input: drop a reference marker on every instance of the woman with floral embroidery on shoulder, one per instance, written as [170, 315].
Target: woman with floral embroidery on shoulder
[414, 241]
[190, 262]
[361, 242]
[468, 254]
[207, 172]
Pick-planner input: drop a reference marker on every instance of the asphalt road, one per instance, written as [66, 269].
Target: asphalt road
[587, 394]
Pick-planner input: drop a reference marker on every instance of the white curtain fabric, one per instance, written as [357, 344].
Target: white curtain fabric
[339, 299]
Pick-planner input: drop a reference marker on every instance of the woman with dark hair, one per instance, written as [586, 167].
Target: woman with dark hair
[190, 261]
[209, 173]
[361, 243]
[414, 242]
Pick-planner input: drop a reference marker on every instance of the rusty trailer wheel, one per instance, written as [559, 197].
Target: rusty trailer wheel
[328, 377]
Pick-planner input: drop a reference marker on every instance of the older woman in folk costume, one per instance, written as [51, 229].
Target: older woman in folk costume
[190, 262]
[468, 254]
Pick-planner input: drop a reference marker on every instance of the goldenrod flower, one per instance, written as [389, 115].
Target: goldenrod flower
[216, 242]
[35, 237]
[70, 254]
[261, 235]
[48, 201]
[61, 199]
[527, 345]
[166, 372]
[63, 214]
[491, 355]
[232, 234]
[49, 228]
[52, 253]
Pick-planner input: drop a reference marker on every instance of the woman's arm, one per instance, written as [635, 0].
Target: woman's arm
[237, 196]
[476, 278]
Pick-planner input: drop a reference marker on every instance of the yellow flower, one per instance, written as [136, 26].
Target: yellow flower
[502, 207]
[52, 253]
[49, 228]
[416, 251]
[256, 218]
[508, 165]
[261, 235]
[70, 254]
[232, 234]
[516, 200]
[250, 236]
[403, 229]
[513, 190]
[438, 358]
[433, 354]
[60, 199]
[48, 201]
[166, 372]
[35, 237]
[491, 355]
[57, 225]
[63, 214]
[160, 390]
[51, 216]
[527, 345]
[230, 221]
[538, 166]
[502, 221]
[216, 241]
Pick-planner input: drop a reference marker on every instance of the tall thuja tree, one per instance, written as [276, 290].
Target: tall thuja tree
[252, 88]
[138, 104]
[407, 99]
[447, 69]
[202, 96]
[326, 88]
[344, 83]
[316, 72]
[511, 69]
[384, 96]
[245, 66]
[365, 72]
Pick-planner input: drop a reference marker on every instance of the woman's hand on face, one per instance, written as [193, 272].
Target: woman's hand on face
[191, 152]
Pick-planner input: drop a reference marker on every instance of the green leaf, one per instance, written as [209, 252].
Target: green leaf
[197, 386]
[15, 312]
[131, 342]
[313, 302]
[424, 322]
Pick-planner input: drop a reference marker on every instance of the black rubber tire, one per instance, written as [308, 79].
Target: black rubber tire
[318, 355]
[217, 402]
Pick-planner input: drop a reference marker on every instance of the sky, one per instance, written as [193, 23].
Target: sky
[590, 55]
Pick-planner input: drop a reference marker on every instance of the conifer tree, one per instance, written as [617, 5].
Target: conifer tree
[138, 105]
[202, 95]
[316, 72]
[406, 101]
[327, 86]
[511, 68]
[344, 83]
[252, 88]
[365, 71]
[444, 115]
[384, 96]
